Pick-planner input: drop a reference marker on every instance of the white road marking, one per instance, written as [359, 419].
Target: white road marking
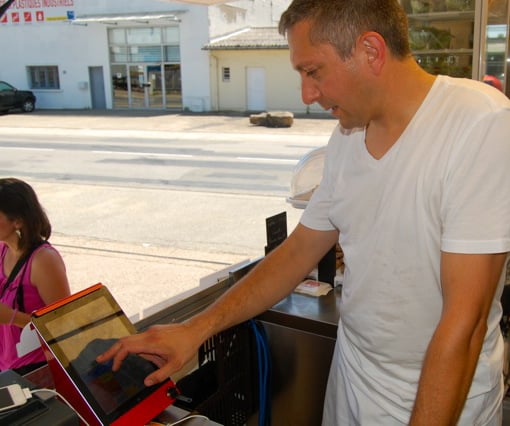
[26, 149]
[268, 160]
[150, 154]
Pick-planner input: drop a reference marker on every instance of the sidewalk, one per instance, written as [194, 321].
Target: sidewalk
[162, 121]
[139, 242]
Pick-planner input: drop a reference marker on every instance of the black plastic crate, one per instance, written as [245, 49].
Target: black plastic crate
[224, 387]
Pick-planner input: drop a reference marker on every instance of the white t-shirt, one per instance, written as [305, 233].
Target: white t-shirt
[443, 186]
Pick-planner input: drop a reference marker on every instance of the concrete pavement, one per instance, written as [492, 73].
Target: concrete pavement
[162, 122]
[148, 245]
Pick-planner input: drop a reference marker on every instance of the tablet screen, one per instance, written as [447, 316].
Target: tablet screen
[77, 332]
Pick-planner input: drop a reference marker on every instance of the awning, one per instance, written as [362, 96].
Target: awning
[132, 17]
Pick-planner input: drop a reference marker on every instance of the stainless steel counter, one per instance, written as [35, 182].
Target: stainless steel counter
[317, 315]
[301, 332]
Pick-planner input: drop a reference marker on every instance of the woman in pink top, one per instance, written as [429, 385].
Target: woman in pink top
[32, 273]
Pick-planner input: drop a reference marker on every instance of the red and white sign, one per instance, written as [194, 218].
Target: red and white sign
[38, 11]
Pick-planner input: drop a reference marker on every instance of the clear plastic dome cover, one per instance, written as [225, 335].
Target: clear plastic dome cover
[306, 177]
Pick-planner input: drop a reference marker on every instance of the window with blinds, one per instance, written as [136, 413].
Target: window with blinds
[43, 77]
[147, 44]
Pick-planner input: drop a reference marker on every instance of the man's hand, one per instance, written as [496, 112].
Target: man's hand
[168, 346]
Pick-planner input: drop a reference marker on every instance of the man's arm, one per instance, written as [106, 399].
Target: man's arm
[171, 346]
[469, 282]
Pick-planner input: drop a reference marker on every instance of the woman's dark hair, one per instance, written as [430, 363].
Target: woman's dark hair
[18, 201]
[341, 22]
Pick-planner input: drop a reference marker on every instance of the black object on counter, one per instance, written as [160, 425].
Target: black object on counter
[327, 267]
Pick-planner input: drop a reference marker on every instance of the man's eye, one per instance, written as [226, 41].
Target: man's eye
[311, 73]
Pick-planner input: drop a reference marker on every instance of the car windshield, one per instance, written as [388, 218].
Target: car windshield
[5, 86]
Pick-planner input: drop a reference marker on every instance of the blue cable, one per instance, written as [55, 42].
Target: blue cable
[262, 398]
[262, 379]
[263, 359]
[267, 377]
[265, 384]
[260, 371]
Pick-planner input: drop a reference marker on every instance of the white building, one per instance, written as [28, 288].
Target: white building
[251, 71]
[96, 54]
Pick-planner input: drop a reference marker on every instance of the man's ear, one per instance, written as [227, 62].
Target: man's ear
[373, 49]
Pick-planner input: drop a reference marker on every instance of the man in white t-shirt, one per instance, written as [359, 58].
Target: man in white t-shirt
[416, 188]
[437, 191]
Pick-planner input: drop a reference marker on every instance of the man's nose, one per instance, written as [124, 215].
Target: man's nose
[309, 92]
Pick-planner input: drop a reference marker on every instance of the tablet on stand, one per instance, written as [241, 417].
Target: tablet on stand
[73, 332]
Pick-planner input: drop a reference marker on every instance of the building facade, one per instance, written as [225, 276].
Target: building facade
[187, 56]
[251, 71]
[141, 54]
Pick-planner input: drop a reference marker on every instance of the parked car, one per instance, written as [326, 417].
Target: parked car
[12, 98]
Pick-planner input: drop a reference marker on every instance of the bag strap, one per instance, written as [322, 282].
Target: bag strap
[17, 267]
[19, 264]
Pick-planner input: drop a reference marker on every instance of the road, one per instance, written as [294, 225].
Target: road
[150, 205]
[211, 162]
